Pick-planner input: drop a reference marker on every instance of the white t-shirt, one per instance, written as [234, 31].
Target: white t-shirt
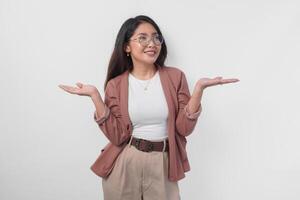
[148, 109]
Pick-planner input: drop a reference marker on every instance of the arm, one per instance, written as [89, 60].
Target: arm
[189, 108]
[108, 115]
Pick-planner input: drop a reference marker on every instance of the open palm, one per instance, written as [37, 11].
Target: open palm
[81, 89]
[207, 82]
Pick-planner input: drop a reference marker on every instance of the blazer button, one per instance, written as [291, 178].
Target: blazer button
[127, 126]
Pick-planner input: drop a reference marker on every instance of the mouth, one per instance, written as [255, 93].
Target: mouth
[150, 52]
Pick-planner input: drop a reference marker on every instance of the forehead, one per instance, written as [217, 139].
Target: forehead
[145, 29]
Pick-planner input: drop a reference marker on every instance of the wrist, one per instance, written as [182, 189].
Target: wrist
[197, 92]
[95, 95]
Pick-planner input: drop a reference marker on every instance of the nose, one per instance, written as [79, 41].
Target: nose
[151, 43]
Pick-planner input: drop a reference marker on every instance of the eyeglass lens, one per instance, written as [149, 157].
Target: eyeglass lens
[144, 40]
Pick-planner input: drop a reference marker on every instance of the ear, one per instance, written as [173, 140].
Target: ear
[127, 48]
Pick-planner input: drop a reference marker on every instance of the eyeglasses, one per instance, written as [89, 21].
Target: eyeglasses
[145, 40]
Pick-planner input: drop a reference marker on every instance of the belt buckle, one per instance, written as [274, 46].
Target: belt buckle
[137, 143]
[150, 147]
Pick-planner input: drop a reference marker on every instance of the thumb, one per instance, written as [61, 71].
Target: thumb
[79, 84]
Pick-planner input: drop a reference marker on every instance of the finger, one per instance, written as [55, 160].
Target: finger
[232, 80]
[61, 85]
[218, 80]
[64, 87]
[218, 77]
[79, 84]
[70, 89]
[215, 82]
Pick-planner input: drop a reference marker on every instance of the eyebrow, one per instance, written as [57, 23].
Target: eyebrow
[147, 34]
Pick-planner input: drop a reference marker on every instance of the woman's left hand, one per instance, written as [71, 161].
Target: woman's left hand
[207, 82]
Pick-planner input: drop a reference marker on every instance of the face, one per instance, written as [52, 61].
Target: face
[143, 54]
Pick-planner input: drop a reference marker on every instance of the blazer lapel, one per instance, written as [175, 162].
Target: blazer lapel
[166, 86]
[124, 101]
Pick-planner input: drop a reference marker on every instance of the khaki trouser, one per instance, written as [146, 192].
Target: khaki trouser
[139, 175]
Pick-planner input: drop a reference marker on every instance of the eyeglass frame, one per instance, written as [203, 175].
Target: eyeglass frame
[148, 41]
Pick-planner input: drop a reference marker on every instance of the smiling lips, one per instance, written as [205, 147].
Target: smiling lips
[150, 52]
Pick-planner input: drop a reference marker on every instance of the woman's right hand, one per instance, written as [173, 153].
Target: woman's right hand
[82, 89]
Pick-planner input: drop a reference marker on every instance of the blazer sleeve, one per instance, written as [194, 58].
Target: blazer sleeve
[185, 121]
[110, 122]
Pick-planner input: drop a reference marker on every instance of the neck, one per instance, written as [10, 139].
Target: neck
[143, 71]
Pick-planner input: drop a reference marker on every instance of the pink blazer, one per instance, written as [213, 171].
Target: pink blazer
[117, 127]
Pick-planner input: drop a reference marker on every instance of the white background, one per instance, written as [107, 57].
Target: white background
[246, 142]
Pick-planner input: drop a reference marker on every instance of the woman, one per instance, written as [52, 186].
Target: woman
[147, 114]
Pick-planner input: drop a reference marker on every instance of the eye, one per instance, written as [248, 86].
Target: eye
[142, 38]
[158, 38]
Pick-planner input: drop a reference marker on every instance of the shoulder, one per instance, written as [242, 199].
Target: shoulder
[175, 74]
[172, 70]
[115, 82]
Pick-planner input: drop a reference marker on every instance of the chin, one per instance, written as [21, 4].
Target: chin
[150, 61]
[147, 60]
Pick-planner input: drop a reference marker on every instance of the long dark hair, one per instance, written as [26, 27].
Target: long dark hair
[119, 61]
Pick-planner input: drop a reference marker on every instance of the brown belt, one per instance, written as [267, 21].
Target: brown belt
[148, 146]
